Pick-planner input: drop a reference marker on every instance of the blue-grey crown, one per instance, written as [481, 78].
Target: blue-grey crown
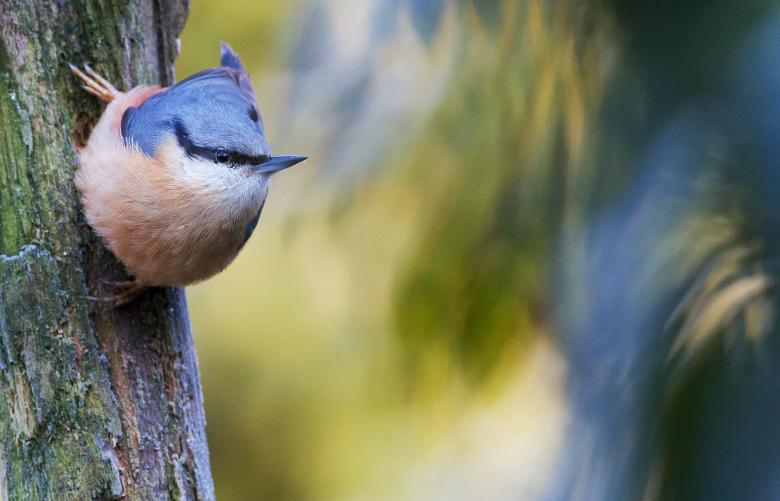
[212, 114]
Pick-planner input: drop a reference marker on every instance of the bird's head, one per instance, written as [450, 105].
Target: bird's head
[213, 118]
[229, 141]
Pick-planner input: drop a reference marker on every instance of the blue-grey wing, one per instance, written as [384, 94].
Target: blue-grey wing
[216, 108]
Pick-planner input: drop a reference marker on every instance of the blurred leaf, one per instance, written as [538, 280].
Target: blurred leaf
[426, 17]
[384, 21]
[313, 47]
[489, 12]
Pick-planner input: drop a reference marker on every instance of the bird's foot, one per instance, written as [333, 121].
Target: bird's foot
[129, 291]
[95, 84]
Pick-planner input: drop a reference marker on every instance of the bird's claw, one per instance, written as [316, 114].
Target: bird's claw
[94, 83]
[129, 291]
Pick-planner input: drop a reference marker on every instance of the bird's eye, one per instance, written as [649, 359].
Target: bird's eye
[221, 156]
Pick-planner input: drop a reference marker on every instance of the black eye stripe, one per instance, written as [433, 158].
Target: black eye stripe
[194, 150]
[242, 159]
[183, 138]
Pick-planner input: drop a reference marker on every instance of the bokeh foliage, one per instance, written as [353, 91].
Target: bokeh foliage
[486, 175]
[495, 168]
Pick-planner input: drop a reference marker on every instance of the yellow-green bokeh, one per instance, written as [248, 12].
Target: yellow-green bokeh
[370, 327]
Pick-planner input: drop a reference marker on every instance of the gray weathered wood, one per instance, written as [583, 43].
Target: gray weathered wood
[94, 403]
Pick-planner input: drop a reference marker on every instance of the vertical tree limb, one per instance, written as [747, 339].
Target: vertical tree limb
[94, 403]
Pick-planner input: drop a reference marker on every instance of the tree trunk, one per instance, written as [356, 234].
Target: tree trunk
[95, 403]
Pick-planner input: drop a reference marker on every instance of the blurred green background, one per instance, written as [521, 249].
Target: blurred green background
[528, 235]
[323, 376]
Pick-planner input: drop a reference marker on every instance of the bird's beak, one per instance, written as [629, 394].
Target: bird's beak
[275, 164]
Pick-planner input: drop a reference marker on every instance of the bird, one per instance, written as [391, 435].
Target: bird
[173, 180]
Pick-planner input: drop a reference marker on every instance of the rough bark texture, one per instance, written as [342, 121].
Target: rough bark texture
[94, 403]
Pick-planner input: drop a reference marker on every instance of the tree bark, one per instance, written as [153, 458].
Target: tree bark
[95, 403]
